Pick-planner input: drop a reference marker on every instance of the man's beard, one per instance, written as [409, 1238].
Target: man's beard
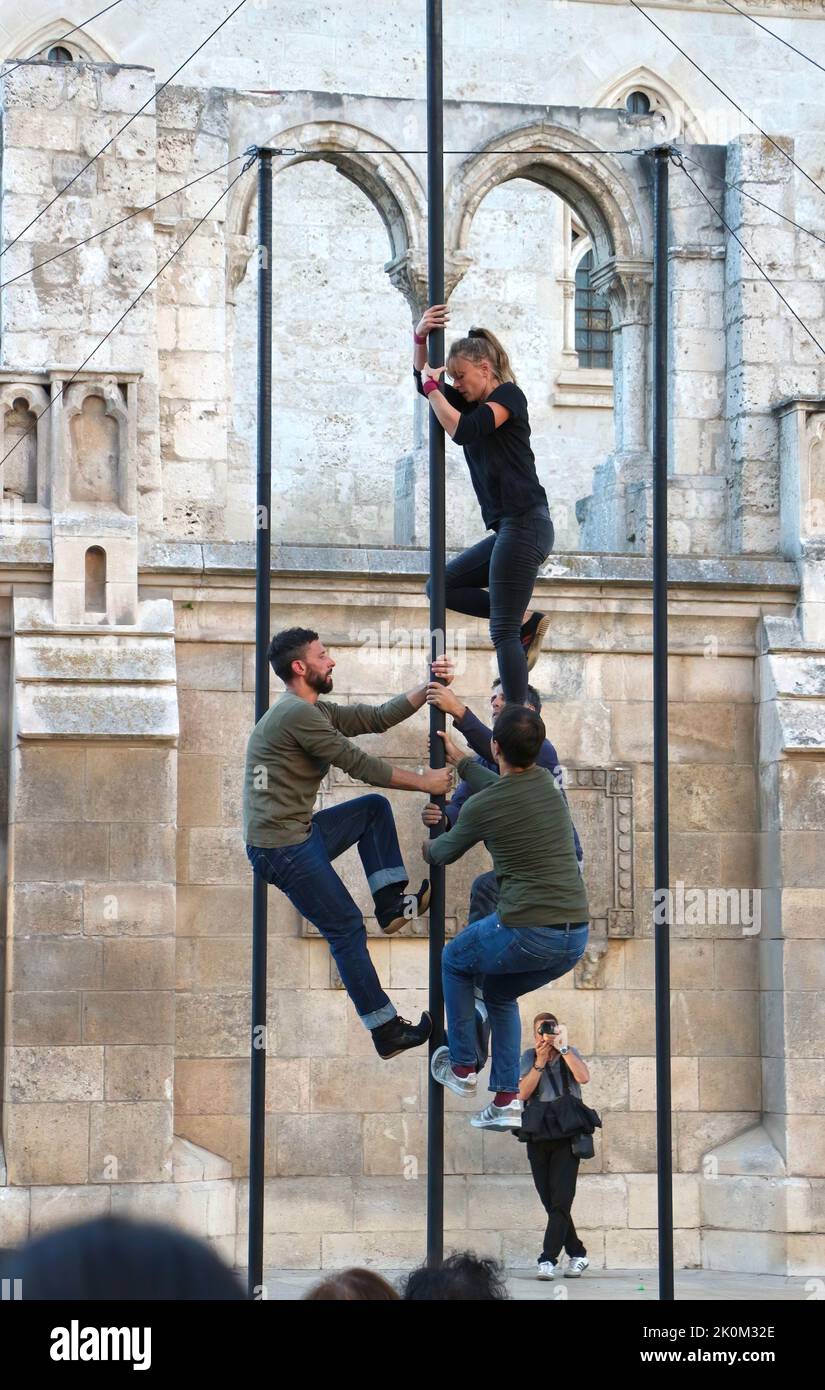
[323, 684]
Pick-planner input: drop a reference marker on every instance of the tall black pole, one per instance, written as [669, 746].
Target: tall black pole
[257, 1098]
[660, 737]
[435, 354]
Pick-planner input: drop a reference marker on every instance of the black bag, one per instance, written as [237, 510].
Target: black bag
[564, 1117]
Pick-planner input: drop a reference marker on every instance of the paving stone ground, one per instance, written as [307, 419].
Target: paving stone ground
[636, 1286]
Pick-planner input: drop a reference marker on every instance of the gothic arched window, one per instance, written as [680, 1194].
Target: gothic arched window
[593, 336]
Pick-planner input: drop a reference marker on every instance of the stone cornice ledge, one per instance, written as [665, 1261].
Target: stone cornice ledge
[237, 558]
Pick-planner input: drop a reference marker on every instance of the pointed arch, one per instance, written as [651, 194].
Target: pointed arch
[604, 196]
[84, 44]
[384, 176]
[682, 123]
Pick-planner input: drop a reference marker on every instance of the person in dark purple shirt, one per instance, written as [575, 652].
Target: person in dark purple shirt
[485, 411]
[484, 890]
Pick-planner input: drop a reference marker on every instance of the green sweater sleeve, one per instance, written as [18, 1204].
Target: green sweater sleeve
[466, 832]
[317, 737]
[368, 719]
[476, 776]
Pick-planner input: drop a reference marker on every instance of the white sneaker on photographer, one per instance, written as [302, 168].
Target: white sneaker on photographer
[546, 1269]
[576, 1267]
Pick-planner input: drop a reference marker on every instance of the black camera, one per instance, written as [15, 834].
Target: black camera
[548, 1028]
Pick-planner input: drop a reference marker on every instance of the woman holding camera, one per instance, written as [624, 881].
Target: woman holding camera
[554, 1166]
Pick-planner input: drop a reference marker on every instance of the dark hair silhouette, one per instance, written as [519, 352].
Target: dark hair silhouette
[352, 1286]
[112, 1258]
[519, 733]
[462, 1276]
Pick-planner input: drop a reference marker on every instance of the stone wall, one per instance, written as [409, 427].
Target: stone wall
[130, 685]
[346, 1137]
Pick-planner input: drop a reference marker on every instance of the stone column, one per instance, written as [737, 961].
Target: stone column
[802, 505]
[89, 1012]
[769, 356]
[616, 516]
[408, 273]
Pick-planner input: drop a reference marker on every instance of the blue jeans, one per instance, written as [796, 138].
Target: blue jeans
[305, 874]
[508, 563]
[513, 961]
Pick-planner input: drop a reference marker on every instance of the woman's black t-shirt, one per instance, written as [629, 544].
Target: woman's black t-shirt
[501, 463]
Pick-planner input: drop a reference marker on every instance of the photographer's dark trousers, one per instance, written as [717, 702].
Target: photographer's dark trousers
[555, 1170]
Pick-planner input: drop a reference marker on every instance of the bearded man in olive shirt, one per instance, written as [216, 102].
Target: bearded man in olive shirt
[540, 928]
[289, 753]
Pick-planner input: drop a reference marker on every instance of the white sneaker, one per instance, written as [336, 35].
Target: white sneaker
[546, 1269]
[576, 1267]
[499, 1117]
[442, 1071]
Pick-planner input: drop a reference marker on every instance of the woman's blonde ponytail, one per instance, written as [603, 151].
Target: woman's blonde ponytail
[482, 345]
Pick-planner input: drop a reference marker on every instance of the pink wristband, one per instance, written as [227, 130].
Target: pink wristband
[420, 341]
[429, 387]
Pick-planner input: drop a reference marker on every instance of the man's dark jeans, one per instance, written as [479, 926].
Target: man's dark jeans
[305, 874]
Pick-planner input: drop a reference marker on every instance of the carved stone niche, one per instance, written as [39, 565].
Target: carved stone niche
[24, 450]
[601, 803]
[94, 498]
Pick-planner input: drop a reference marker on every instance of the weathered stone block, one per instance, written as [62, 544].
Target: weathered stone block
[47, 909]
[629, 1142]
[138, 964]
[135, 1016]
[199, 790]
[15, 1203]
[138, 1072]
[51, 963]
[55, 1073]
[131, 784]
[212, 1025]
[52, 1207]
[730, 1083]
[393, 1204]
[308, 1023]
[317, 1145]
[47, 1143]
[128, 909]
[61, 852]
[341, 1085]
[625, 1023]
[684, 1082]
[49, 784]
[47, 1019]
[142, 852]
[716, 1023]
[131, 1142]
[642, 1197]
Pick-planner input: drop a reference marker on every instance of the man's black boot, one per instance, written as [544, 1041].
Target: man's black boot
[398, 1035]
[394, 907]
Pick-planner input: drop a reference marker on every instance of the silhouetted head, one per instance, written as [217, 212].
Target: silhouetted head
[112, 1258]
[352, 1286]
[462, 1276]
[518, 735]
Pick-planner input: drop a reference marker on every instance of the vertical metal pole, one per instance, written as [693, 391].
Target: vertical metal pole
[257, 1100]
[435, 252]
[660, 734]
